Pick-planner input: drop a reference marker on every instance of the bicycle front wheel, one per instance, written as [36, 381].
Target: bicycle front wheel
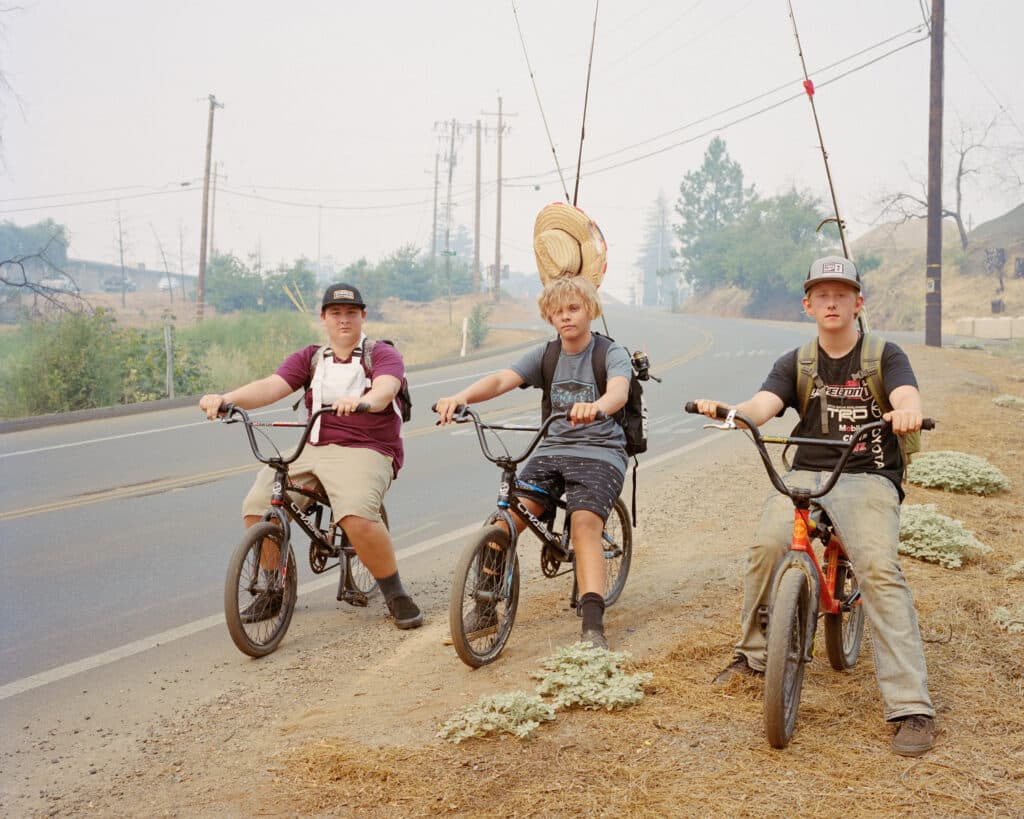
[784, 665]
[484, 598]
[843, 631]
[258, 604]
[617, 542]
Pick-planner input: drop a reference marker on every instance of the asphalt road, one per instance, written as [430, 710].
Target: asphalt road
[115, 533]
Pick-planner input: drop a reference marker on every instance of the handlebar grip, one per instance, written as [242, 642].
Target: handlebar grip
[362, 406]
[928, 423]
[720, 411]
[691, 408]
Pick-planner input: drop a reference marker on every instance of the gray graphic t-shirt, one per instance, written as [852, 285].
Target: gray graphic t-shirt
[573, 383]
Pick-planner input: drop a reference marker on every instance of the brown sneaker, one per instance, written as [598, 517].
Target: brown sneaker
[739, 667]
[914, 736]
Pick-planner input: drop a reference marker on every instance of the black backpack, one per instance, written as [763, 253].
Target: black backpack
[632, 417]
[404, 398]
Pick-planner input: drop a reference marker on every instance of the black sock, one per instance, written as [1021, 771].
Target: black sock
[592, 609]
[391, 587]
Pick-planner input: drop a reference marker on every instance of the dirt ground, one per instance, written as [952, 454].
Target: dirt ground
[344, 722]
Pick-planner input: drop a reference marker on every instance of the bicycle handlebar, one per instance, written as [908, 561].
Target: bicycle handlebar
[465, 414]
[730, 416]
[233, 414]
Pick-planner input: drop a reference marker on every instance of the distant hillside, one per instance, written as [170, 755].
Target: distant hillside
[895, 290]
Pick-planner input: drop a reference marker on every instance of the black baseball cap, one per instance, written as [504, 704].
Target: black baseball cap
[342, 294]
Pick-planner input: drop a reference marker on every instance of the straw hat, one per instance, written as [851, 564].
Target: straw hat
[567, 242]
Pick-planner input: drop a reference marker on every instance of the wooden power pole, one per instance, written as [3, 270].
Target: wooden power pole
[201, 281]
[933, 272]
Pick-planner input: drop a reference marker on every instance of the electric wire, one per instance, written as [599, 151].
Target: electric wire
[98, 201]
[985, 85]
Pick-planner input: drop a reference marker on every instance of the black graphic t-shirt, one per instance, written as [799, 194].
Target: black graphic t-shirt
[850, 404]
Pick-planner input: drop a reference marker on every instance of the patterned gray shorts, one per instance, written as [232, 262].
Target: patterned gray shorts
[586, 482]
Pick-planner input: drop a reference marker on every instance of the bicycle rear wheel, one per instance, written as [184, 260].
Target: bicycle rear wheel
[617, 541]
[258, 605]
[843, 631]
[784, 665]
[484, 597]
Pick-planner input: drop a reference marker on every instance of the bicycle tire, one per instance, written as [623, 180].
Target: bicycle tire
[244, 582]
[844, 631]
[784, 664]
[359, 577]
[484, 597]
[617, 540]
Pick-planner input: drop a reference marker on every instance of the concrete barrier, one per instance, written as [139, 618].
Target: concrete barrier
[996, 328]
[965, 327]
[1017, 327]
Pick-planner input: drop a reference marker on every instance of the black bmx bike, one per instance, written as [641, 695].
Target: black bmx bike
[802, 587]
[485, 584]
[261, 586]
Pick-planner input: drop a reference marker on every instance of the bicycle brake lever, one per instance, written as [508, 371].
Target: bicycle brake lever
[728, 423]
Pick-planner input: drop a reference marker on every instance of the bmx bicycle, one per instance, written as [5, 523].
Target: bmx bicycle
[485, 585]
[802, 588]
[261, 586]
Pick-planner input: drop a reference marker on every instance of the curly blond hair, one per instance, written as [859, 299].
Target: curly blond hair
[565, 290]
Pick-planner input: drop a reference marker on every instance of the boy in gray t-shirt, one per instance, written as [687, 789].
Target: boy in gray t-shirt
[581, 457]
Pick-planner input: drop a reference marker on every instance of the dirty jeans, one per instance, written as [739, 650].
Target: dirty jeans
[865, 511]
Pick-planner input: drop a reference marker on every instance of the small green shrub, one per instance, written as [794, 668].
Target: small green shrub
[1010, 401]
[956, 472]
[517, 714]
[1011, 621]
[479, 325]
[580, 675]
[929, 535]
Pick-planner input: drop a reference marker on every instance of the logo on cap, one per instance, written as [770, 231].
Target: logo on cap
[832, 267]
[343, 294]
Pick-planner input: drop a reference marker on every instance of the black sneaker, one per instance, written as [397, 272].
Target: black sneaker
[264, 606]
[739, 667]
[915, 735]
[405, 612]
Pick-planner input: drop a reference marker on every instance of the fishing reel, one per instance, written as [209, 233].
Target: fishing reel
[642, 367]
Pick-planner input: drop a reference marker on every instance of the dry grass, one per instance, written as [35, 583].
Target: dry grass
[694, 749]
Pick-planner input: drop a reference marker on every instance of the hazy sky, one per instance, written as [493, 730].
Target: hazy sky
[328, 131]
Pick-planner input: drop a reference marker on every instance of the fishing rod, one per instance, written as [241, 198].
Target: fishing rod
[586, 98]
[809, 89]
[536, 93]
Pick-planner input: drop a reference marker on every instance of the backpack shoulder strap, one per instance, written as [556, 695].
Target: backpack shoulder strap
[599, 361]
[547, 368]
[807, 379]
[317, 356]
[871, 369]
[366, 357]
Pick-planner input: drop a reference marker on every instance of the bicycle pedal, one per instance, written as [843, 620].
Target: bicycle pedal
[354, 598]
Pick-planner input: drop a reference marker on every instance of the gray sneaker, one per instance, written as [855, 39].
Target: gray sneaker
[739, 667]
[915, 735]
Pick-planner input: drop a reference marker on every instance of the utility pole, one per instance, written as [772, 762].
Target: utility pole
[496, 281]
[448, 221]
[476, 217]
[933, 272]
[120, 247]
[201, 281]
[319, 226]
[433, 234]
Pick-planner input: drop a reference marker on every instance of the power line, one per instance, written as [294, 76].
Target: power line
[98, 201]
[985, 85]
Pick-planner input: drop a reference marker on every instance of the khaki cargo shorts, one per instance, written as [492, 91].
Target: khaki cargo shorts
[354, 478]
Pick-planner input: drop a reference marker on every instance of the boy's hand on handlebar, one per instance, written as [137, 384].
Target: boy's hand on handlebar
[211, 404]
[710, 408]
[350, 406]
[904, 420]
[585, 413]
[446, 409]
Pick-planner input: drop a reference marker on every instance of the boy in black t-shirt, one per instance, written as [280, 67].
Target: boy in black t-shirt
[864, 504]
